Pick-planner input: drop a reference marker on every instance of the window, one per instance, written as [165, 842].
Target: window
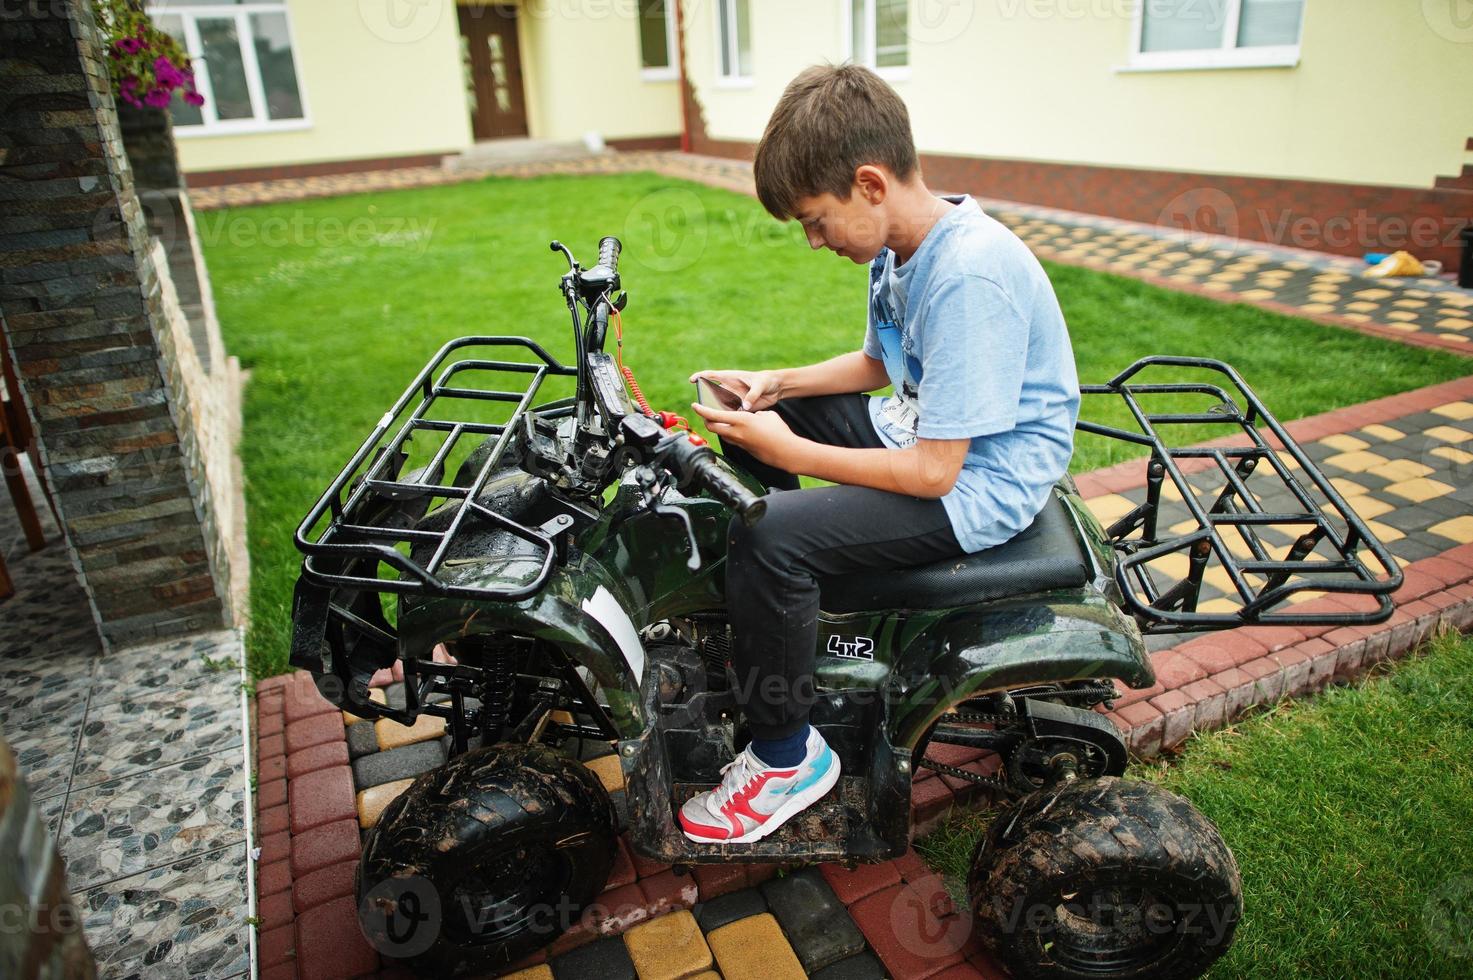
[734, 41]
[657, 40]
[244, 66]
[877, 36]
[1218, 34]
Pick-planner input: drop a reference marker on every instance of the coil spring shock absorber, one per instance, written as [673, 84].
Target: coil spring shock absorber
[498, 689]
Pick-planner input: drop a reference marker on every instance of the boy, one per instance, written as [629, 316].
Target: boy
[964, 323]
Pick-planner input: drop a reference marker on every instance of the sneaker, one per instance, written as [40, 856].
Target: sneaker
[754, 799]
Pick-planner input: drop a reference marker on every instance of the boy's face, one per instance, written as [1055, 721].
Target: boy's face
[854, 228]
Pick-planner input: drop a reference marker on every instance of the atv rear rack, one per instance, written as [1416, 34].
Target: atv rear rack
[1231, 527]
[365, 522]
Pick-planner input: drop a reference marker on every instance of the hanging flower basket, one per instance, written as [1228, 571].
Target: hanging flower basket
[147, 65]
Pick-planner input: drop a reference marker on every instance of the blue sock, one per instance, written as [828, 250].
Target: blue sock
[780, 753]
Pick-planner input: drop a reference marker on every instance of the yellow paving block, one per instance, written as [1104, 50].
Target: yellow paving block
[1347, 488]
[668, 947]
[1454, 455]
[1216, 287]
[1323, 297]
[754, 948]
[392, 735]
[1345, 444]
[1400, 469]
[1374, 294]
[1356, 462]
[1462, 302]
[1459, 529]
[539, 972]
[1411, 304]
[1456, 338]
[371, 801]
[1404, 316]
[1173, 567]
[1384, 432]
[1458, 411]
[1448, 434]
[1217, 576]
[1366, 318]
[1289, 461]
[1420, 489]
[1220, 605]
[374, 694]
[1109, 508]
[608, 771]
[1317, 308]
[1361, 306]
[1454, 323]
[1384, 533]
[1368, 507]
[1258, 294]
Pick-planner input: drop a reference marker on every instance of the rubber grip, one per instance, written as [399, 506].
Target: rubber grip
[729, 491]
[608, 253]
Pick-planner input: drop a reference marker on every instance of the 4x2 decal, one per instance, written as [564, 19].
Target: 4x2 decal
[853, 647]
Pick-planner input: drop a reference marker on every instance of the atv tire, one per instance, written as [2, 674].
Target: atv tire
[485, 860]
[1105, 878]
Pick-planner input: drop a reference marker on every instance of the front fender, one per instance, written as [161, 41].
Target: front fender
[1064, 637]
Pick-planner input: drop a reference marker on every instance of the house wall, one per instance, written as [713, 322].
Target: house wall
[1376, 98]
[581, 70]
[374, 88]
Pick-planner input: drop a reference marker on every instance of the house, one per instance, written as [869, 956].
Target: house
[1327, 124]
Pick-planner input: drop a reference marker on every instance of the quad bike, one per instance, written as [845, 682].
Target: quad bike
[564, 589]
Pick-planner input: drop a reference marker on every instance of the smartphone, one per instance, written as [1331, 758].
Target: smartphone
[713, 394]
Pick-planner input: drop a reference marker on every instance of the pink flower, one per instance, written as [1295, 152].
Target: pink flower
[128, 45]
[194, 98]
[167, 74]
[158, 97]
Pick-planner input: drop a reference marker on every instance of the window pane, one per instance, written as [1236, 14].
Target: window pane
[723, 17]
[1183, 25]
[654, 43]
[222, 60]
[182, 112]
[744, 40]
[857, 31]
[1269, 22]
[890, 40]
[278, 74]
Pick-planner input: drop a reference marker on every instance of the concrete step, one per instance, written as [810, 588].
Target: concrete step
[491, 154]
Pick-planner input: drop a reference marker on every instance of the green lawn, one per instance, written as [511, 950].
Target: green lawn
[1348, 815]
[334, 304]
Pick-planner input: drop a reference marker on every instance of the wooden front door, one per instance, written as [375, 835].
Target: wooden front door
[493, 71]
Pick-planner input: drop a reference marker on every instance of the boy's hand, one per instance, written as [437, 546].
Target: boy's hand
[758, 389]
[763, 434]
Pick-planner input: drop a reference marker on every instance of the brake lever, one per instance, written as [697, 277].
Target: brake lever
[660, 510]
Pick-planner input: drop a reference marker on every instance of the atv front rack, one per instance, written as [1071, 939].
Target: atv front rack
[1289, 537]
[369, 496]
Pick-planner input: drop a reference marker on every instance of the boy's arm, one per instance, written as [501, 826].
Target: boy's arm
[855, 371]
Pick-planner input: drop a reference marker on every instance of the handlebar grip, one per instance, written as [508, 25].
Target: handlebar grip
[708, 474]
[608, 253]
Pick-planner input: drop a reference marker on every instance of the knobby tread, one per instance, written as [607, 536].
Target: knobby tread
[1107, 829]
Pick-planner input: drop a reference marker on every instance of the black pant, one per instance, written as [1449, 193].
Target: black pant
[773, 567]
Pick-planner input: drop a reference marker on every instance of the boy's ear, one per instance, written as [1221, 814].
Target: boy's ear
[871, 183]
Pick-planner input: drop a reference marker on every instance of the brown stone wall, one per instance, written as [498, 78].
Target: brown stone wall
[130, 436]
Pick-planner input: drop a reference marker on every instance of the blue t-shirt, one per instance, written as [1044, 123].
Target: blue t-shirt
[978, 350]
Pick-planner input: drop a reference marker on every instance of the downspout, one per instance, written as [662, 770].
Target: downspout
[685, 141]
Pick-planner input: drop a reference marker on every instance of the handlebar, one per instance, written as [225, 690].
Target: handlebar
[695, 464]
[608, 253]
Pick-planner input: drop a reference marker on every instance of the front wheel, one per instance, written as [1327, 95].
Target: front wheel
[485, 860]
[1105, 878]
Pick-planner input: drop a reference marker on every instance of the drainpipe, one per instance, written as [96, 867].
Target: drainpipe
[680, 63]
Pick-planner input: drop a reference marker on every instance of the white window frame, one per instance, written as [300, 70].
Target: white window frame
[865, 54]
[727, 9]
[1227, 56]
[213, 126]
[671, 71]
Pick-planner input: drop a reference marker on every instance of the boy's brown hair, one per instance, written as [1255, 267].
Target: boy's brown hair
[831, 120]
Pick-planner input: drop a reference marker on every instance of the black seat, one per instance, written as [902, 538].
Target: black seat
[1046, 555]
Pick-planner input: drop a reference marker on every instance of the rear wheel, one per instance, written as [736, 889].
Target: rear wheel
[1105, 878]
[485, 860]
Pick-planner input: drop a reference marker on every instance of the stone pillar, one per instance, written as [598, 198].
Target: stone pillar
[41, 934]
[135, 435]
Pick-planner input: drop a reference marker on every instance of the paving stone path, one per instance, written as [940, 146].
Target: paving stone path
[136, 761]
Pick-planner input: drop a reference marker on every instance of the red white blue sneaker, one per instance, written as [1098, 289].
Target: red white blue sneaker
[754, 799]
